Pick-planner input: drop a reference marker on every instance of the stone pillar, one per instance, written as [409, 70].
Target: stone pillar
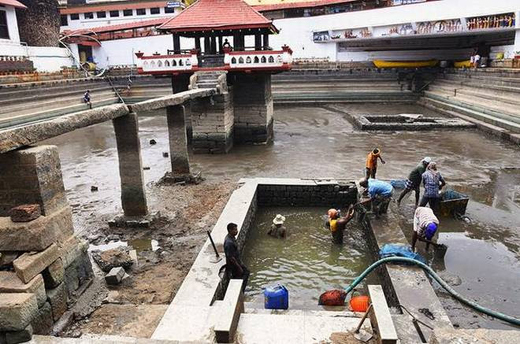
[178, 140]
[32, 176]
[212, 123]
[180, 83]
[133, 196]
[253, 104]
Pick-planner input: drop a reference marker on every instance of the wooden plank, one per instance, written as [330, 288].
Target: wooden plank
[381, 317]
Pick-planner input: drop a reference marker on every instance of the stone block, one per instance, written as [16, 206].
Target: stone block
[58, 299]
[43, 322]
[71, 249]
[25, 213]
[115, 276]
[109, 259]
[78, 273]
[10, 283]
[53, 275]
[38, 234]
[28, 265]
[22, 336]
[17, 311]
[7, 257]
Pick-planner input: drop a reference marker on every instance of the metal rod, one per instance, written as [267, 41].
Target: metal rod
[363, 319]
[419, 331]
[213, 244]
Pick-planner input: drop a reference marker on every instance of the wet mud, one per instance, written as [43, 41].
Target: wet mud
[309, 142]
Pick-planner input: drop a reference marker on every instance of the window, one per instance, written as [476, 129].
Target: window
[88, 15]
[155, 10]
[74, 16]
[64, 20]
[169, 10]
[140, 11]
[4, 31]
[101, 14]
[128, 13]
[114, 14]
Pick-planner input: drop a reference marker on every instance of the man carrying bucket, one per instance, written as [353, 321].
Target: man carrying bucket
[425, 225]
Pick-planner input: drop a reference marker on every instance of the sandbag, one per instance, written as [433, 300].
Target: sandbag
[334, 297]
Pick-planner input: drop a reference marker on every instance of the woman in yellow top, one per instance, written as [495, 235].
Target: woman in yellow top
[371, 165]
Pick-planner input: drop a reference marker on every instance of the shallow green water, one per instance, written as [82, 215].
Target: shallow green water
[307, 262]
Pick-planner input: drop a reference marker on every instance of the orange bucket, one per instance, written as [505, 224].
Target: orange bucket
[359, 303]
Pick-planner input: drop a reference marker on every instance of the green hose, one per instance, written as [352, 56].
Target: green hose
[432, 273]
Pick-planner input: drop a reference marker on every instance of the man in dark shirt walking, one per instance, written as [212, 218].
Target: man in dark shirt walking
[414, 181]
[234, 266]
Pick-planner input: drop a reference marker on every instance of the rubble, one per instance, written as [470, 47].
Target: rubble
[117, 257]
[115, 276]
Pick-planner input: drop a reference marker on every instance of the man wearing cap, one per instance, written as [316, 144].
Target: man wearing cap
[337, 224]
[371, 163]
[414, 181]
[425, 225]
[278, 230]
[380, 193]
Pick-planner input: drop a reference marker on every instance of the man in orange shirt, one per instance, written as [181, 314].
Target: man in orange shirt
[371, 165]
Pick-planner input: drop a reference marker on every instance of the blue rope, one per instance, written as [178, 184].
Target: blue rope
[443, 284]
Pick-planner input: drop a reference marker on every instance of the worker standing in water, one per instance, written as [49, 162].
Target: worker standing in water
[337, 224]
[371, 163]
[278, 230]
[414, 181]
[425, 225]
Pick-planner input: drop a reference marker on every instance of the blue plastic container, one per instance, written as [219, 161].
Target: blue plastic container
[276, 297]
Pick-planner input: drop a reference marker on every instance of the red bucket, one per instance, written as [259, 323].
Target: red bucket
[359, 303]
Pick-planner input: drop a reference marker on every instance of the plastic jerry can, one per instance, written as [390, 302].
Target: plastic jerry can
[276, 297]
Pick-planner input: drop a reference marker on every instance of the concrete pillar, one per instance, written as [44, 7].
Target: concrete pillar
[178, 140]
[32, 176]
[253, 105]
[212, 123]
[133, 197]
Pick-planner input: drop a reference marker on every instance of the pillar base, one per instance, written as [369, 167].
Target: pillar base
[214, 143]
[255, 134]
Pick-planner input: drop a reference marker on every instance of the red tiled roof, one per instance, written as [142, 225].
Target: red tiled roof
[120, 7]
[13, 3]
[217, 14]
[303, 4]
[118, 27]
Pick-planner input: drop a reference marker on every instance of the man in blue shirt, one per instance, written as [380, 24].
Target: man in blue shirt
[380, 194]
[433, 183]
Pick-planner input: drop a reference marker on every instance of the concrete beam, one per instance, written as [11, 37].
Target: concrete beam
[178, 140]
[172, 100]
[381, 317]
[133, 196]
[11, 139]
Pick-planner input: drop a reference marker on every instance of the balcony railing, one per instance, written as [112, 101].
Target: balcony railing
[249, 60]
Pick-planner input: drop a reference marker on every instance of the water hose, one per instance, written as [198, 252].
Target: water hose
[443, 284]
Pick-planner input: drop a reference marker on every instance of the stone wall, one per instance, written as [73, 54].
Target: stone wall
[212, 123]
[39, 24]
[43, 265]
[253, 104]
[322, 193]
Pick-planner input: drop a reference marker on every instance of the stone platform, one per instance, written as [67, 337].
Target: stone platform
[412, 122]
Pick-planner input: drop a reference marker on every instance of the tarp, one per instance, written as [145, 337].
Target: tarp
[395, 250]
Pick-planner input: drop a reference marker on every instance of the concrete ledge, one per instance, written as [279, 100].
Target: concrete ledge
[230, 309]
[174, 99]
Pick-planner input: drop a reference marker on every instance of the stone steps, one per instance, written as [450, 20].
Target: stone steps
[483, 95]
[52, 90]
[493, 108]
[352, 96]
[25, 117]
[53, 102]
[505, 91]
[448, 108]
[486, 80]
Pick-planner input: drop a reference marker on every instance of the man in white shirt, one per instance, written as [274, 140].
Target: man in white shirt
[425, 225]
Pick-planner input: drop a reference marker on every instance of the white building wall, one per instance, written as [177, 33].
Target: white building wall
[12, 26]
[83, 22]
[45, 59]
[297, 32]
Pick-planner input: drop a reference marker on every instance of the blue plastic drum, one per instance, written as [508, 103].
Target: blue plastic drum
[276, 297]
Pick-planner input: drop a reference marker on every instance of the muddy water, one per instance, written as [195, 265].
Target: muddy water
[307, 263]
[317, 142]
